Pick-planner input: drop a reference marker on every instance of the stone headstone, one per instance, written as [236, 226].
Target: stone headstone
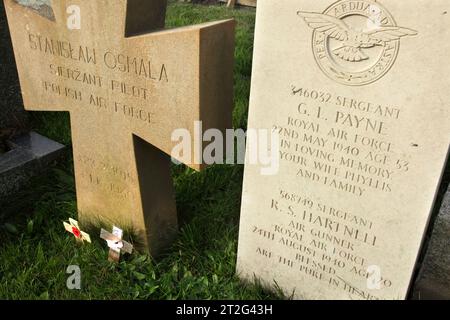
[358, 92]
[128, 84]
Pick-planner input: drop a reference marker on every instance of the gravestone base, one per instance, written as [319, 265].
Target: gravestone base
[28, 155]
[433, 282]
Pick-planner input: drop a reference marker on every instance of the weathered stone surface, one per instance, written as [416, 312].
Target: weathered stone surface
[358, 92]
[30, 154]
[127, 90]
[42, 7]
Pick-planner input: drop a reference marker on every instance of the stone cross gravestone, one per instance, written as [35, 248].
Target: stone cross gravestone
[358, 92]
[128, 84]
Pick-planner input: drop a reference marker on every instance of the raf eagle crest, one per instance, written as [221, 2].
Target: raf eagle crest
[355, 42]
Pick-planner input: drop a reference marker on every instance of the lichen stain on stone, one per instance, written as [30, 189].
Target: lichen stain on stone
[42, 7]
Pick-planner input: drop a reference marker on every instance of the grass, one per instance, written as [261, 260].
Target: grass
[35, 250]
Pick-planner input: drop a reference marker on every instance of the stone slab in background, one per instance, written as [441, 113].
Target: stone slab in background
[29, 156]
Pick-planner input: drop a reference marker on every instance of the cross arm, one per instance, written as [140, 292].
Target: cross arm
[199, 63]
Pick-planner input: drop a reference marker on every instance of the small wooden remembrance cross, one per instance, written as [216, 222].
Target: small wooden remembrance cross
[128, 84]
[74, 229]
[115, 243]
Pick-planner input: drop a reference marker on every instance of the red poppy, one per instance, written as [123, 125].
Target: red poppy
[76, 232]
